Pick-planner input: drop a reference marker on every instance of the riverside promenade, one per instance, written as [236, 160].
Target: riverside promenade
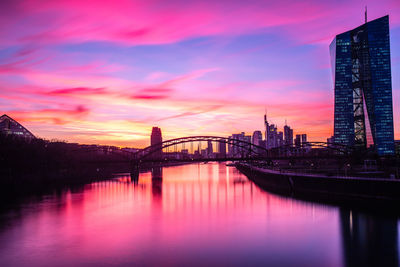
[375, 193]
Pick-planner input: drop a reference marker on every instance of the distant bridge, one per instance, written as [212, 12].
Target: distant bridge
[247, 150]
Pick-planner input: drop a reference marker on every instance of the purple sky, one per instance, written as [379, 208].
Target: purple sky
[107, 71]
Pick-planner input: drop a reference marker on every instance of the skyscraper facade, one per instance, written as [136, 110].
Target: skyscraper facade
[288, 135]
[361, 72]
[156, 140]
[297, 140]
[256, 140]
[238, 148]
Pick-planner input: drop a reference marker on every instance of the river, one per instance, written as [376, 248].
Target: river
[199, 214]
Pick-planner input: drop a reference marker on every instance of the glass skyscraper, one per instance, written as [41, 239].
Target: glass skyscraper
[361, 72]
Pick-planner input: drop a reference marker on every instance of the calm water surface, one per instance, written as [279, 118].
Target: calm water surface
[200, 214]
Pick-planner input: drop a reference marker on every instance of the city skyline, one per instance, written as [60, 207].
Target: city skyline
[78, 76]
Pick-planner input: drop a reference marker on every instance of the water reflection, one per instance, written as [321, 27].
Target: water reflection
[369, 240]
[202, 214]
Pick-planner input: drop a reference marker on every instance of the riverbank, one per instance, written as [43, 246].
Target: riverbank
[370, 193]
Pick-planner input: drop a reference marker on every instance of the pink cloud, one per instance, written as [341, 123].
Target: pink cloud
[152, 93]
[77, 91]
[53, 116]
[160, 22]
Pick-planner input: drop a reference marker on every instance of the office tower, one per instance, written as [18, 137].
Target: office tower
[240, 144]
[266, 130]
[363, 88]
[288, 135]
[156, 140]
[247, 146]
[303, 139]
[297, 141]
[279, 139]
[257, 138]
[272, 136]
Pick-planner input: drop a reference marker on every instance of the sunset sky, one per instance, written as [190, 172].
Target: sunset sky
[105, 72]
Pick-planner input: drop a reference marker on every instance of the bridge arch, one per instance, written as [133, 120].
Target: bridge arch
[248, 147]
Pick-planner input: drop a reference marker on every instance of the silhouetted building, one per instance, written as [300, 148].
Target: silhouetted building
[237, 148]
[288, 135]
[303, 139]
[8, 126]
[363, 87]
[156, 141]
[297, 140]
[257, 140]
[279, 139]
[247, 146]
[272, 136]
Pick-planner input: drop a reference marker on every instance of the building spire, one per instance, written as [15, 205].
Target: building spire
[285, 122]
[265, 116]
[365, 14]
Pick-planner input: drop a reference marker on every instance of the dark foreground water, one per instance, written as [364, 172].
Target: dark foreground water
[206, 214]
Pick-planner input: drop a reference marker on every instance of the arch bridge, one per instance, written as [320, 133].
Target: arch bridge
[243, 150]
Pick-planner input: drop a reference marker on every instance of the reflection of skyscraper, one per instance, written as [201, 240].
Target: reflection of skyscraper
[369, 240]
[156, 140]
[156, 172]
[363, 88]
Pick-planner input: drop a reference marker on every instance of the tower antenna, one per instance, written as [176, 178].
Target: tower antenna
[265, 114]
[365, 14]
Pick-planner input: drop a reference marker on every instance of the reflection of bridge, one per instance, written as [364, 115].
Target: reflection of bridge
[247, 150]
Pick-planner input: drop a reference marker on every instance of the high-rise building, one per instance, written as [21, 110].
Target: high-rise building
[363, 87]
[303, 139]
[288, 135]
[256, 138]
[240, 144]
[156, 140]
[266, 130]
[297, 141]
[272, 136]
[279, 139]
